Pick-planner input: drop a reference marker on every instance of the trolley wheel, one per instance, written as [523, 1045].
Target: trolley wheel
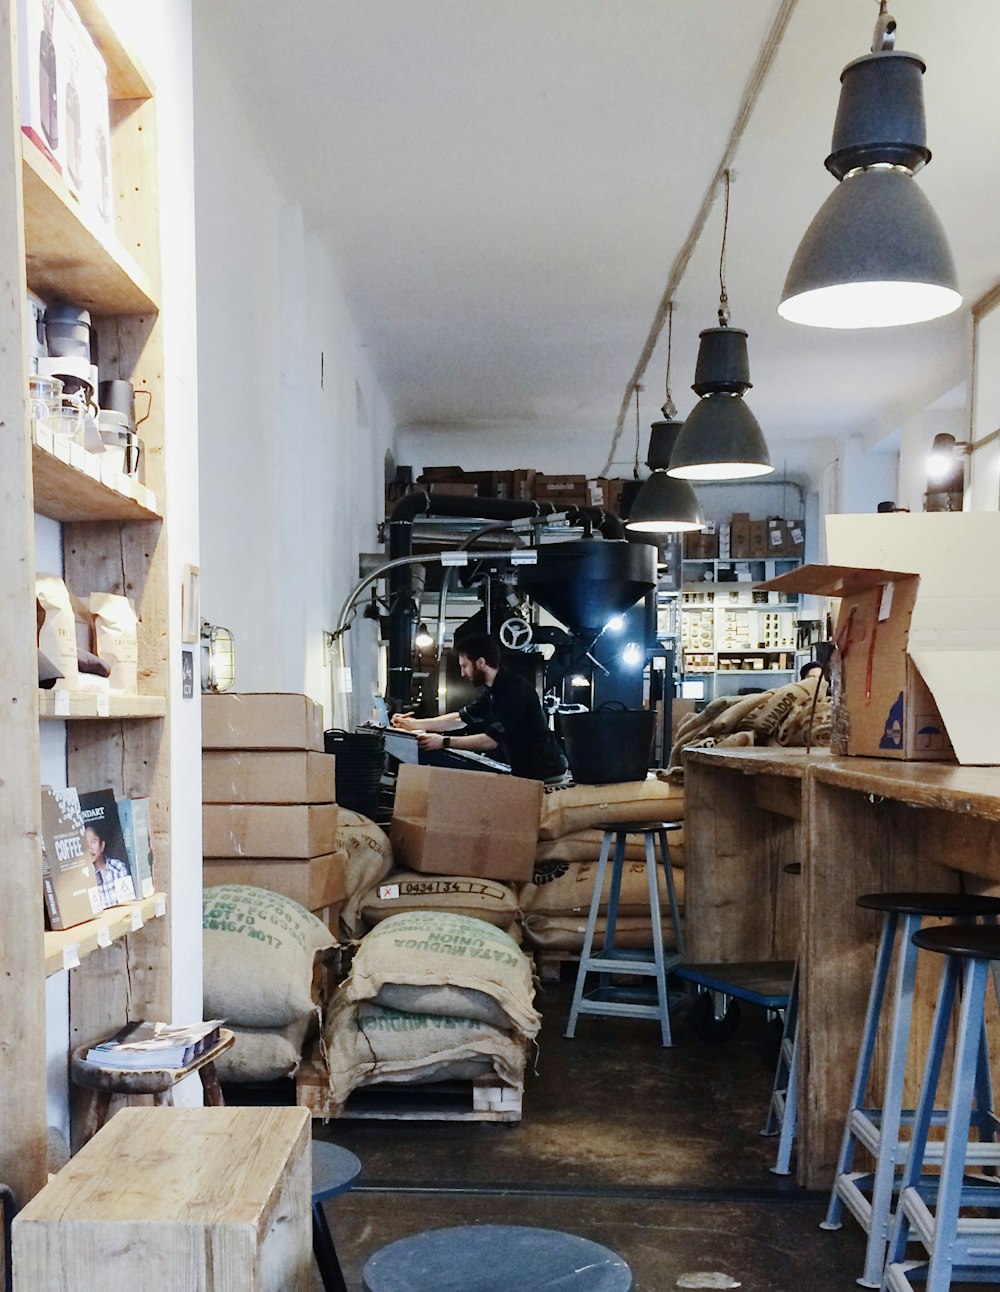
[711, 1026]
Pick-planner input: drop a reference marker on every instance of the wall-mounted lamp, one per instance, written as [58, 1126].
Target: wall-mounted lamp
[946, 457]
[876, 254]
[218, 658]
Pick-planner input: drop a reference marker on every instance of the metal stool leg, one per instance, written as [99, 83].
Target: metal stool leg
[675, 914]
[588, 939]
[614, 897]
[327, 1260]
[782, 1117]
[662, 1000]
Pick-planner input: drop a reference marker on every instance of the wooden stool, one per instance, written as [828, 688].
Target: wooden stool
[102, 1084]
[334, 1170]
[495, 1258]
[623, 1001]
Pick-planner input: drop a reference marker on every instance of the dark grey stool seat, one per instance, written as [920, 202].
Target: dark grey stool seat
[334, 1170]
[950, 906]
[495, 1258]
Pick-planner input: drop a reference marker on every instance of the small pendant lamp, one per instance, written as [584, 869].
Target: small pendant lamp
[721, 439]
[876, 254]
[665, 505]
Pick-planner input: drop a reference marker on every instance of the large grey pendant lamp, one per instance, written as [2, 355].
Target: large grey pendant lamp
[876, 254]
[721, 439]
[665, 505]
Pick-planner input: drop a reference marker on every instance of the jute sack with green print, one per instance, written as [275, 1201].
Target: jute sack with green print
[263, 1053]
[365, 1043]
[405, 958]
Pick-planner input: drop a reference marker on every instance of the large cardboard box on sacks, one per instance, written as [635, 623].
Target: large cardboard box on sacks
[448, 822]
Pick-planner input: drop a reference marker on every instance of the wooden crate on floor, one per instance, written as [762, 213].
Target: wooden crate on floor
[485, 1099]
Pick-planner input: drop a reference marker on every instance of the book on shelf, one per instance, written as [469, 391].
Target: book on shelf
[106, 846]
[134, 817]
[72, 895]
[142, 1045]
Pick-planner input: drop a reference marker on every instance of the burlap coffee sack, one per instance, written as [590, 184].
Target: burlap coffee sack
[581, 807]
[434, 948]
[443, 1001]
[561, 888]
[740, 709]
[566, 932]
[259, 949]
[402, 891]
[365, 1043]
[263, 1053]
[585, 845]
[369, 859]
[769, 717]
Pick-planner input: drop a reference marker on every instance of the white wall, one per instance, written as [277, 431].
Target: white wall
[984, 465]
[291, 467]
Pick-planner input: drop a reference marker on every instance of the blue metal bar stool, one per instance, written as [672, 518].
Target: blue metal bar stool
[782, 1117]
[612, 999]
[869, 1196]
[495, 1258]
[959, 1249]
[334, 1170]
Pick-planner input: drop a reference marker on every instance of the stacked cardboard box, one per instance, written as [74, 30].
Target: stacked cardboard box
[269, 816]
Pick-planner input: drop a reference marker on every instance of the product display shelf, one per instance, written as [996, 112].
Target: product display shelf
[64, 492]
[66, 948]
[48, 244]
[69, 705]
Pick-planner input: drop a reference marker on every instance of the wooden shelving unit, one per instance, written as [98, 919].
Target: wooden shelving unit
[113, 539]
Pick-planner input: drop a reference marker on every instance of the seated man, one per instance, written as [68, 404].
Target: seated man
[506, 716]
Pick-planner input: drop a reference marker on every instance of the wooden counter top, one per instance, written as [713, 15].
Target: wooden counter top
[767, 760]
[972, 791]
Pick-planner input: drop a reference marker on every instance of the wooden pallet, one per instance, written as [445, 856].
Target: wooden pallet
[550, 960]
[486, 1099]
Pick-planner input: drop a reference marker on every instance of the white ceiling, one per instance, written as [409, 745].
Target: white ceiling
[504, 185]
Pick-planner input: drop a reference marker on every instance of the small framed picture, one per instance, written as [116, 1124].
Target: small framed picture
[190, 605]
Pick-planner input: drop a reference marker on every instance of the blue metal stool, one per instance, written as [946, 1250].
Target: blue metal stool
[782, 1117]
[495, 1258]
[334, 1170]
[615, 1000]
[868, 1196]
[959, 1250]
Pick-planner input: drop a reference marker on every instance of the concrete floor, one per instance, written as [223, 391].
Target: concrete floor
[654, 1153]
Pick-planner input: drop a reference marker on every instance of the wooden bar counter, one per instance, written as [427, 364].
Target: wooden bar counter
[857, 825]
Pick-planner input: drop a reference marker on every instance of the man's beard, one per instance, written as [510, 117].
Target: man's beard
[478, 676]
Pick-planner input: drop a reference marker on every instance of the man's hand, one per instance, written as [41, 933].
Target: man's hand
[430, 740]
[405, 721]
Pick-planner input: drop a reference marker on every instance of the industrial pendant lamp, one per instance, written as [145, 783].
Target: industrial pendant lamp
[721, 439]
[664, 505]
[875, 255]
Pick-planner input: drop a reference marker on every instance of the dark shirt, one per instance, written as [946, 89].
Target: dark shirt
[510, 713]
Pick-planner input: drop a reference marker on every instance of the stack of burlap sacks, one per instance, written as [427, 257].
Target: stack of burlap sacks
[800, 713]
[431, 996]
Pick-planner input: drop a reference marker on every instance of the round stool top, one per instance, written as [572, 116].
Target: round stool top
[638, 827]
[974, 941]
[495, 1258]
[946, 905]
[334, 1170]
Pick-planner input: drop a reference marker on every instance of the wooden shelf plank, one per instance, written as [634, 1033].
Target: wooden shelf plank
[127, 78]
[64, 492]
[67, 947]
[72, 256]
[84, 705]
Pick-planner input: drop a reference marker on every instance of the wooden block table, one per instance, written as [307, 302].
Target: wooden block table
[200, 1199]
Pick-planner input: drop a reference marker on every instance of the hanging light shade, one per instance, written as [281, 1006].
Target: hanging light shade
[876, 254]
[721, 439]
[664, 505]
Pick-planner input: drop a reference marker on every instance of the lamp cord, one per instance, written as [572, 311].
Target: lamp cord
[669, 407]
[635, 464]
[723, 296]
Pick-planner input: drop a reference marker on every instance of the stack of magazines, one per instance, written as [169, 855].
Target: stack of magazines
[144, 1045]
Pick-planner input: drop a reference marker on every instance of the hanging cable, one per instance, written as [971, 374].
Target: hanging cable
[638, 434]
[723, 297]
[668, 406]
[751, 93]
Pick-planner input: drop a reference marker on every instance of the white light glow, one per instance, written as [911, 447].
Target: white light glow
[423, 639]
[941, 465]
[579, 680]
[870, 305]
[632, 655]
[721, 471]
[615, 624]
[662, 526]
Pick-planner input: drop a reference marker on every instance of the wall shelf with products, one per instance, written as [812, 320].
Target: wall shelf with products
[113, 536]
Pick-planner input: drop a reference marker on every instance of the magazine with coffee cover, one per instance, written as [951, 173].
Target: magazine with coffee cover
[68, 879]
[106, 847]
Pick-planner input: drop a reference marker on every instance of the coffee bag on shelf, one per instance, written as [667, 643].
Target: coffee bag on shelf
[117, 639]
[57, 628]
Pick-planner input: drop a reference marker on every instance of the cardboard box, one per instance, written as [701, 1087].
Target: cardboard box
[453, 489]
[522, 485]
[565, 491]
[271, 776]
[465, 823]
[758, 539]
[261, 720]
[490, 484]
[954, 638]
[315, 883]
[795, 537]
[887, 710]
[267, 830]
[739, 535]
[776, 535]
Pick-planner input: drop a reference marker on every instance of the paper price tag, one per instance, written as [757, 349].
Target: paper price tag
[43, 437]
[62, 704]
[92, 466]
[137, 920]
[388, 892]
[71, 956]
[885, 603]
[103, 704]
[103, 936]
[77, 456]
[454, 558]
[160, 908]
